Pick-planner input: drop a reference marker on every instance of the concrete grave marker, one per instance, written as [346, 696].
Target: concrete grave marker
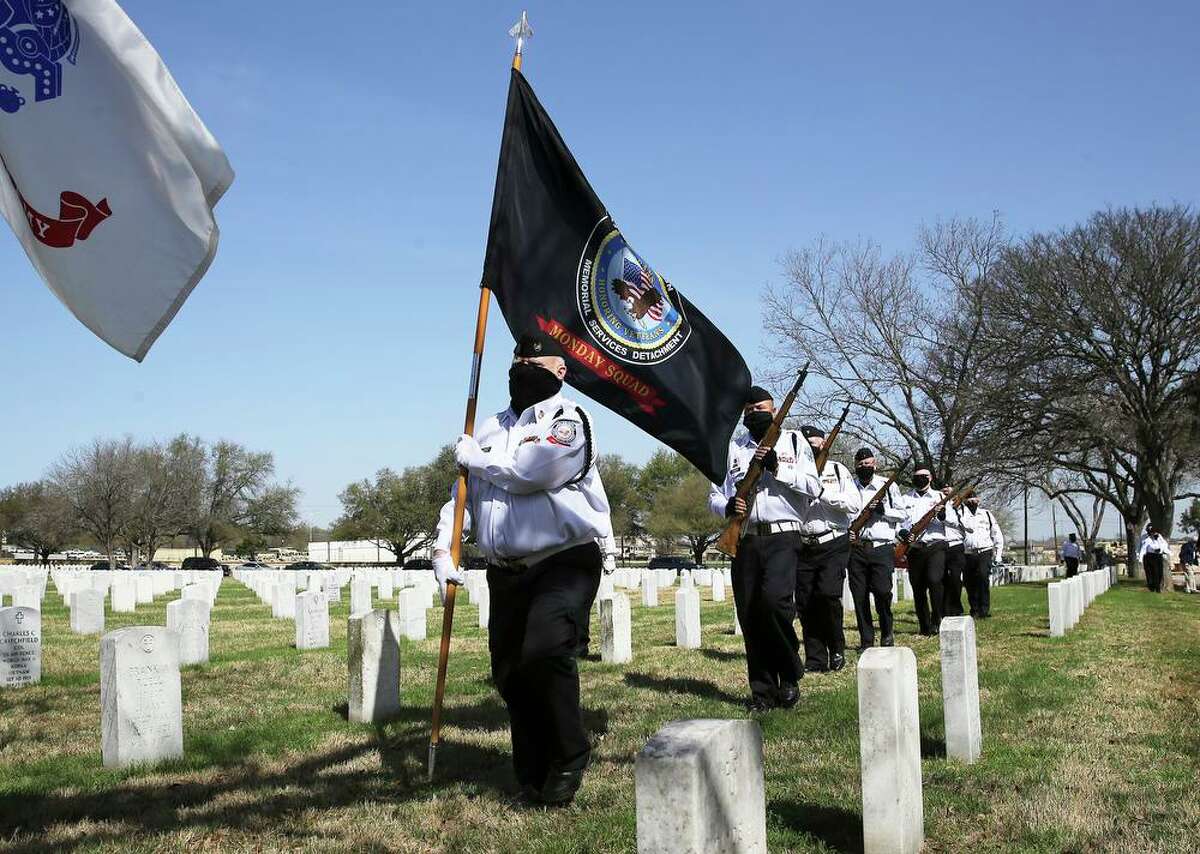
[374, 665]
[687, 618]
[189, 620]
[699, 789]
[87, 612]
[960, 689]
[360, 596]
[616, 630]
[312, 620]
[20, 646]
[141, 706]
[412, 605]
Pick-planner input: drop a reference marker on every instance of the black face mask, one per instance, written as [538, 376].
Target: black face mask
[758, 423]
[865, 473]
[921, 482]
[972, 506]
[529, 384]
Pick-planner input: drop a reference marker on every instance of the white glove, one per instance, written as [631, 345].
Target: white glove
[610, 564]
[467, 452]
[446, 572]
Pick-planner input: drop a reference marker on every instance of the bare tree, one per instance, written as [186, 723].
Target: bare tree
[97, 481]
[236, 493]
[1100, 352]
[166, 493]
[903, 338]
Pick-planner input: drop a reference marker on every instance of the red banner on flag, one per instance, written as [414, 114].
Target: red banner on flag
[644, 395]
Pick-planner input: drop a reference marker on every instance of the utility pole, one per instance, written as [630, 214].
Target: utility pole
[1027, 525]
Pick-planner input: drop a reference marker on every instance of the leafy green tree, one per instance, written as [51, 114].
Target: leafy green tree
[621, 486]
[661, 472]
[37, 517]
[680, 513]
[398, 511]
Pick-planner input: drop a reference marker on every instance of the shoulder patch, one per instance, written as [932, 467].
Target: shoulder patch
[563, 432]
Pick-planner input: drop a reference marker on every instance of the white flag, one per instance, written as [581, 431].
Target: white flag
[108, 176]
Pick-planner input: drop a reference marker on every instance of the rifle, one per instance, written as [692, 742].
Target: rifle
[919, 528]
[967, 493]
[823, 454]
[861, 520]
[732, 535]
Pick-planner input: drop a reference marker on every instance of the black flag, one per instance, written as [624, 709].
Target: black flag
[556, 261]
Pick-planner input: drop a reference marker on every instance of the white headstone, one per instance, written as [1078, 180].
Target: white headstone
[196, 591]
[27, 596]
[737, 624]
[312, 620]
[87, 612]
[141, 707]
[718, 587]
[889, 733]
[144, 588]
[960, 689]
[412, 605]
[386, 589]
[483, 599]
[283, 601]
[20, 646]
[374, 665]
[616, 630]
[699, 789]
[650, 589]
[687, 618]
[360, 596]
[189, 620]
[1057, 595]
[124, 594]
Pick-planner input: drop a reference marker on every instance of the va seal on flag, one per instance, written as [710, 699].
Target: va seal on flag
[628, 309]
[36, 37]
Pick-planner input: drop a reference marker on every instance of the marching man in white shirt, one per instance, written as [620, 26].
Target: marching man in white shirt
[927, 554]
[766, 566]
[871, 564]
[1071, 553]
[825, 554]
[958, 528]
[985, 548]
[538, 509]
[1154, 554]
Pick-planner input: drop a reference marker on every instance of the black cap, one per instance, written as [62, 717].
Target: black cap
[757, 394]
[810, 431]
[862, 454]
[534, 344]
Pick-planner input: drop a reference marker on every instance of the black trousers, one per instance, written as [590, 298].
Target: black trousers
[764, 587]
[870, 569]
[956, 563]
[823, 566]
[926, 574]
[533, 637]
[1153, 565]
[977, 578]
[1072, 566]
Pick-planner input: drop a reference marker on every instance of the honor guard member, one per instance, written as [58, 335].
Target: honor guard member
[825, 555]
[538, 509]
[927, 553]
[1154, 553]
[985, 548]
[765, 591]
[872, 552]
[1071, 553]
[957, 529]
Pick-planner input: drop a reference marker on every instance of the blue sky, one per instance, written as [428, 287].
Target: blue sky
[334, 326]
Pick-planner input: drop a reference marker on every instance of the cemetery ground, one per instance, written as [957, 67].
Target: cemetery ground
[1090, 741]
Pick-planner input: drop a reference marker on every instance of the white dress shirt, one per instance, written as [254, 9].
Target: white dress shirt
[1071, 550]
[526, 500]
[836, 505]
[878, 528]
[782, 496]
[985, 535]
[1154, 545]
[917, 504]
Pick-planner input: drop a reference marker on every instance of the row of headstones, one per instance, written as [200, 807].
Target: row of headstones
[1069, 599]
[128, 589]
[699, 783]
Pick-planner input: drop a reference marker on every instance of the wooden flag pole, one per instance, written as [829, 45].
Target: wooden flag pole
[520, 31]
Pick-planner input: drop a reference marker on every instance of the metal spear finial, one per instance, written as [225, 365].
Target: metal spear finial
[521, 31]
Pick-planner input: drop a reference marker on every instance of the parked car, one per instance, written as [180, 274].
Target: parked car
[422, 563]
[307, 566]
[253, 564]
[102, 566]
[154, 565]
[676, 562]
[208, 564]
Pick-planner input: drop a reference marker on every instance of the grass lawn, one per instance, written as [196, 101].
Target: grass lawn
[1091, 742]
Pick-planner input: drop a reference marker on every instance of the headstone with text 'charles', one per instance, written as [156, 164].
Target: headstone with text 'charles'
[20, 646]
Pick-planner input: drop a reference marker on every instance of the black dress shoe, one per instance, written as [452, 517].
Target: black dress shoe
[560, 787]
[757, 705]
[789, 695]
[837, 661]
[888, 640]
[863, 647]
[815, 667]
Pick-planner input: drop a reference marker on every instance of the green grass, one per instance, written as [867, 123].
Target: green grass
[1091, 742]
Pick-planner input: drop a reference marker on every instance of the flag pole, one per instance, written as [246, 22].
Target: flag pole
[520, 31]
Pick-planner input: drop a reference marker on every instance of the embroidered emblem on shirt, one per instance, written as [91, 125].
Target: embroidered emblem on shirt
[563, 433]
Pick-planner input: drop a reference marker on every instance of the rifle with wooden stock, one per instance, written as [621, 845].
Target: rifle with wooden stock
[732, 535]
[823, 454]
[919, 528]
[860, 521]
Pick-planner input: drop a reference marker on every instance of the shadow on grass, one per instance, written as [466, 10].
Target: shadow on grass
[838, 828]
[722, 655]
[676, 685]
[238, 791]
[933, 747]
